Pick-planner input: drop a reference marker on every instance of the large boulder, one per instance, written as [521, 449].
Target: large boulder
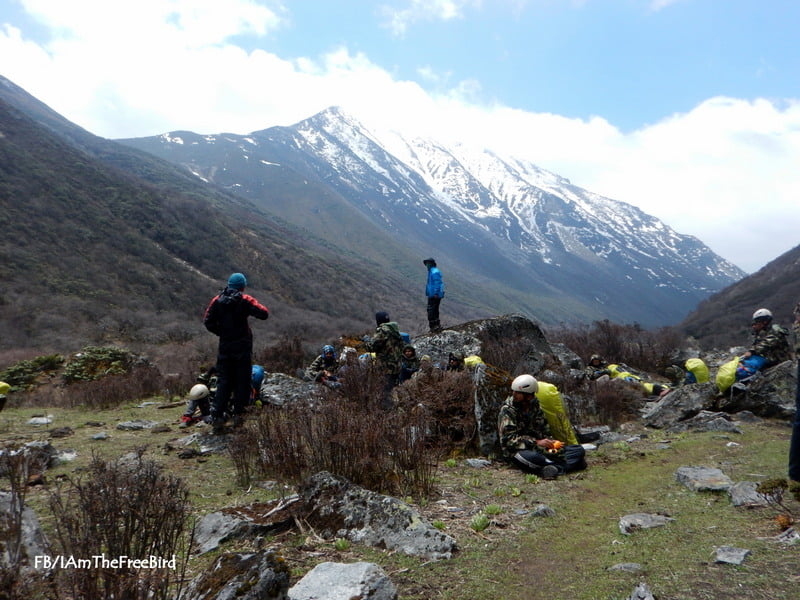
[32, 542]
[521, 343]
[336, 508]
[338, 581]
[679, 405]
[256, 576]
[771, 393]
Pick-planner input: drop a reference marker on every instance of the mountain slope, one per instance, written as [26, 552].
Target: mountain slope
[723, 320]
[94, 253]
[551, 249]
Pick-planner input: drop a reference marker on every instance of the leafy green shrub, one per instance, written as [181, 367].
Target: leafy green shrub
[493, 509]
[479, 522]
[94, 362]
[23, 374]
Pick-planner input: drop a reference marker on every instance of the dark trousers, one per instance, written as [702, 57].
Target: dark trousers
[433, 313]
[233, 378]
[794, 445]
[572, 459]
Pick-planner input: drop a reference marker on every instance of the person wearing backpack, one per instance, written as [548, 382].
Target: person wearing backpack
[387, 344]
[227, 317]
[434, 290]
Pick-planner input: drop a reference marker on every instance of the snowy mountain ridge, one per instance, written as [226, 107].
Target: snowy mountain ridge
[560, 252]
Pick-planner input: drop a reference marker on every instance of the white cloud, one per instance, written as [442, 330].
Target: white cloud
[725, 171]
[398, 20]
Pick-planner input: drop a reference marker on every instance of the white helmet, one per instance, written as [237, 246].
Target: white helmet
[525, 383]
[762, 314]
[198, 392]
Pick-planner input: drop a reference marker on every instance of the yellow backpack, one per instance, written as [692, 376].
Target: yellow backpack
[699, 368]
[553, 408]
[726, 374]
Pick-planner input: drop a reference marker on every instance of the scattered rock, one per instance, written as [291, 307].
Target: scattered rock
[641, 592]
[703, 479]
[136, 425]
[101, 436]
[478, 463]
[743, 493]
[542, 510]
[337, 581]
[630, 523]
[626, 567]
[61, 432]
[730, 555]
[41, 420]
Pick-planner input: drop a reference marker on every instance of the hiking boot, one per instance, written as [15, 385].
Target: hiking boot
[218, 426]
[549, 472]
[237, 421]
[187, 421]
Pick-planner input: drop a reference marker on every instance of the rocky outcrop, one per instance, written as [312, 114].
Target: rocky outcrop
[515, 334]
[337, 508]
[337, 581]
[256, 576]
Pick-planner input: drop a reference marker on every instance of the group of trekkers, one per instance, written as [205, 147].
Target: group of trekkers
[531, 438]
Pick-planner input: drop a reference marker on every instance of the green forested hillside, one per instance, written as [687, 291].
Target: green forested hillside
[91, 253]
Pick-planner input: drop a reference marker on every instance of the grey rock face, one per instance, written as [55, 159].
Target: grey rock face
[258, 576]
[703, 479]
[338, 509]
[32, 543]
[680, 404]
[337, 581]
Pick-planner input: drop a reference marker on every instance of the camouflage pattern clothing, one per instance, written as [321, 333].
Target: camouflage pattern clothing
[796, 329]
[519, 429]
[773, 344]
[387, 344]
[316, 370]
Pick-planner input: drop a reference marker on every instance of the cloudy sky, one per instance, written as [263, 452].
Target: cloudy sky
[688, 109]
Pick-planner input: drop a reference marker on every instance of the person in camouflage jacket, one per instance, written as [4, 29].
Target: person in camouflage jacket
[770, 341]
[526, 439]
[387, 344]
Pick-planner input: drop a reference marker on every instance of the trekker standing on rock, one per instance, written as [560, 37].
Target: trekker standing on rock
[525, 436]
[794, 445]
[434, 290]
[227, 317]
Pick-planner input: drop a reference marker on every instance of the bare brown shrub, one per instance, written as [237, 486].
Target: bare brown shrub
[616, 401]
[140, 382]
[347, 435]
[284, 356]
[629, 344]
[121, 509]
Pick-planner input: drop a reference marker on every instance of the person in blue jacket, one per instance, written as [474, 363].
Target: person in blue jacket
[434, 290]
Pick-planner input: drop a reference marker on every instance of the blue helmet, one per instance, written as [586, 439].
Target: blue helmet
[257, 376]
[328, 349]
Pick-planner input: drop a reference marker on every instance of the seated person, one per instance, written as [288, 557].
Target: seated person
[770, 346]
[256, 379]
[199, 399]
[596, 367]
[455, 362]
[525, 436]
[323, 367]
[409, 362]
